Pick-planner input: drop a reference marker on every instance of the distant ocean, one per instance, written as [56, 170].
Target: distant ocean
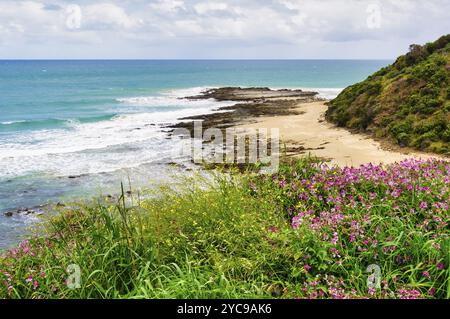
[101, 120]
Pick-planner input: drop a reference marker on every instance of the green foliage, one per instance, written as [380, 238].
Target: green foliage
[395, 101]
[234, 237]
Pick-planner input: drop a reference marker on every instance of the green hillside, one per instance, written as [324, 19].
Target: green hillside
[406, 102]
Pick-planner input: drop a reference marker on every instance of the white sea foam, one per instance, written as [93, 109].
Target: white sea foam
[327, 93]
[12, 122]
[127, 140]
[169, 98]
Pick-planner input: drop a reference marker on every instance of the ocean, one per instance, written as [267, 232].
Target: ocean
[103, 121]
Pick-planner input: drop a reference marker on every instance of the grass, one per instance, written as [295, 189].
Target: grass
[308, 232]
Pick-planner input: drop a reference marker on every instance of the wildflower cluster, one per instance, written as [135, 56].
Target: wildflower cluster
[395, 216]
[310, 231]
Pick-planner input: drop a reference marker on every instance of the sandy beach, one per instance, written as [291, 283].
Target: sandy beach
[299, 115]
[308, 132]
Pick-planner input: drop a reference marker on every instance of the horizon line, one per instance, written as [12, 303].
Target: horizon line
[191, 59]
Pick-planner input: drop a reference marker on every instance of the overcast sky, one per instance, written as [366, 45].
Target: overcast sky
[230, 29]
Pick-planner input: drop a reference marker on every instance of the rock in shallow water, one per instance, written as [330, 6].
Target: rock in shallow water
[38, 210]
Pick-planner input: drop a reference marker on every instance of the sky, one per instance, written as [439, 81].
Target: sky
[224, 29]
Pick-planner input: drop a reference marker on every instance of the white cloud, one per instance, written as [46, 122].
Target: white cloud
[205, 7]
[108, 16]
[168, 6]
[259, 28]
[188, 27]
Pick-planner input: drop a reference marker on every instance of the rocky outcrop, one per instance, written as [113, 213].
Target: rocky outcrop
[251, 94]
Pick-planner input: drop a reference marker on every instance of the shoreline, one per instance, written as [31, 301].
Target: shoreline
[244, 106]
[250, 103]
[309, 132]
[303, 128]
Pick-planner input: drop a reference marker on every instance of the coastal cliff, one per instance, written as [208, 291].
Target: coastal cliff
[407, 103]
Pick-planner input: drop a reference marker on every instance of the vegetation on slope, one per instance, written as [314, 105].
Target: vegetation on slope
[407, 102]
[310, 231]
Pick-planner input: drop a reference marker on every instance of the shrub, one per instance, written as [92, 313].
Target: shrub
[415, 87]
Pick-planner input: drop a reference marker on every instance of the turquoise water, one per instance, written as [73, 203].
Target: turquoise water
[102, 120]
